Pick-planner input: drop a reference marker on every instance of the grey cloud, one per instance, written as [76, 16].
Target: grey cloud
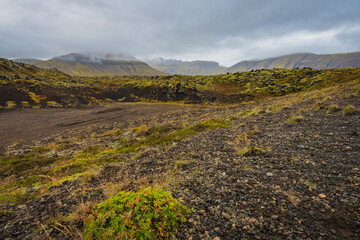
[223, 30]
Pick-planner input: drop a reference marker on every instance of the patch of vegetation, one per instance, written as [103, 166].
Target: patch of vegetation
[14, 197]
[333, 108]
[310, 184]
[295, 119]
[147, 214]
[349, 110]
[250, 151]
[23, 163]
[167, 134]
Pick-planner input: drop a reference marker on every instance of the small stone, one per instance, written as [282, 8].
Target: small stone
[333, 231]
[348, 148]
[269, 174]
[274, 217]
[322, 196]
[285, 233]
[217, 229]
[29, 236]
[191, 220]
[202, 212]
[301, 146]
[226, 215]
[16, 233]
[252, 220]
[216, 238]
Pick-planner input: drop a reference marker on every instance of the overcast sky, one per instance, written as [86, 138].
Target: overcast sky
[227, 31]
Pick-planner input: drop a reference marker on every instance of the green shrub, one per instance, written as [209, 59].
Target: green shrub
[147, 214]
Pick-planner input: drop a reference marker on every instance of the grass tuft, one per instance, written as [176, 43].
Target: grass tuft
[349, 110]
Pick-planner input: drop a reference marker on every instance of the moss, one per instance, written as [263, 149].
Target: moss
[250, 151]
[15, 197]
[295, 119]
[333, 108]
[147, 214]
[349, 110]
[166, 134]
[10, 104]
[310, 184]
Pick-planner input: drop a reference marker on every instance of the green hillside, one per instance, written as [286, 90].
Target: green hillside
[23, 86]
[104, 68]
[325, 61]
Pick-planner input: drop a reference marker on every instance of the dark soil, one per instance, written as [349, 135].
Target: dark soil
[301, 183]
[19, 126]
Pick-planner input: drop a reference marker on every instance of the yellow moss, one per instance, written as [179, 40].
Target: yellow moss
[10, 104]
[53, 104]
[36, 98]
[25, 104]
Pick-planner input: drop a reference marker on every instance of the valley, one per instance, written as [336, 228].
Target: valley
[264, 154]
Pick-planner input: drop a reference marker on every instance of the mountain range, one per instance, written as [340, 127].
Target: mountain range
[174, 66]
[111, 65]
[316, 61]
[76, 64]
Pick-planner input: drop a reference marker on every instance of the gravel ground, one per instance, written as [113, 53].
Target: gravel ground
[302, 181]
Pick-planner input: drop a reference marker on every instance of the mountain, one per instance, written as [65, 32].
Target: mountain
[174, 66]
[27, 60]
[93, 65]
[323, 61]
[10, 70]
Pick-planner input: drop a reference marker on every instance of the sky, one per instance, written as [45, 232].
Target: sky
[226, 31]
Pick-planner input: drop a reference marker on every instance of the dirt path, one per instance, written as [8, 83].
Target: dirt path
[34, 124]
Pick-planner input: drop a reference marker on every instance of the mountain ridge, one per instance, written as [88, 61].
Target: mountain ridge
[196, 67]
[76, 64]
[301, 60]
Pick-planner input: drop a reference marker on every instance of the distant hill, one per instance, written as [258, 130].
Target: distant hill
[324, 61]
[27, 60]
[16, 70]
[174, 66]
[106, 65]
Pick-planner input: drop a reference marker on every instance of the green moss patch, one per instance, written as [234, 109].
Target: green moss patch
[147, 214]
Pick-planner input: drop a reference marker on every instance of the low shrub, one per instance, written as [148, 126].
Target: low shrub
[147, 214]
